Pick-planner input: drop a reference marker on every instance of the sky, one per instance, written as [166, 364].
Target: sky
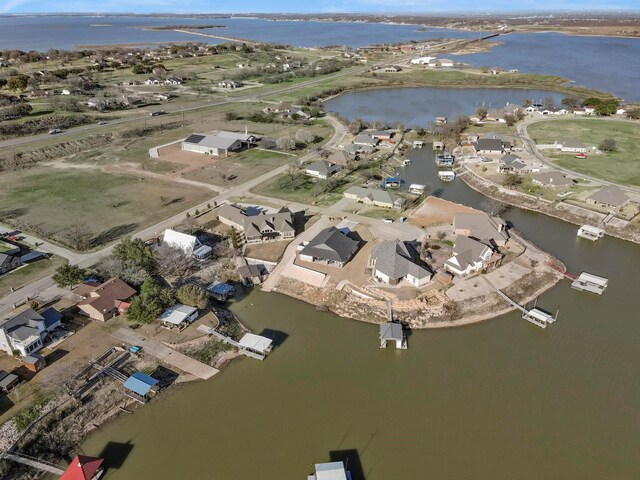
[293, 6]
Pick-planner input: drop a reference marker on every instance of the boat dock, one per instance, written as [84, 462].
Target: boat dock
[590, 283]
[590, 232]
[534, 315]
[258, 353]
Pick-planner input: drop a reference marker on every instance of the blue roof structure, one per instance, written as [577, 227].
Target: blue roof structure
[140, 383]
[221, 288]
[31, 256]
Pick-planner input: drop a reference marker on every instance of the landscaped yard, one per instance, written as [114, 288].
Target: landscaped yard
[109, 205]
[621, 166]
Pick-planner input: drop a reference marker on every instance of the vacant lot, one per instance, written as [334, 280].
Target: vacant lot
[235, 169]
[108, 205]
[308, 193]
[621, 166]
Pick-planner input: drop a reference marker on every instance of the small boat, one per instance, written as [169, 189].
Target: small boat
[447, 175]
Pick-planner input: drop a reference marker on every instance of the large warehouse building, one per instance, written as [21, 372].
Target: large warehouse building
[220, 143]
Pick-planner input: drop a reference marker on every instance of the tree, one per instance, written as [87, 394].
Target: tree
[355, 127]
[482, 112]
[68, 275]
[527, 102]
[548, 103]
[285, 143]
[78, 237]
[421, 132]
[633, 113]
[17, 82]
[193, 295]
[173, 262]
[150, 303]
[126, 270]
[608, 145]
[135, 250]
[510, 119]
[570, 102]
[305, 136]
[513, 180]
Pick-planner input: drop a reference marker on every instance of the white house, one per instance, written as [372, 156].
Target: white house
[322, 169]
[469, 256]
[189, 244]
[220, 143]
[394, 261]
[25, 332]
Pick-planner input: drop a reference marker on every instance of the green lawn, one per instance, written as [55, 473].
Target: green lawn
[307, 194]
[28, 274]
[622, 166]
[109, 205]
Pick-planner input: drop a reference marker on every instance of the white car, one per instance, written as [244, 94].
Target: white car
[387, 220]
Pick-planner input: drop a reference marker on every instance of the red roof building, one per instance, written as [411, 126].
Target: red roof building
[82, 468]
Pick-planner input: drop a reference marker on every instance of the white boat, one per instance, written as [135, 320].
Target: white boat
[590, 232]
[416, 188]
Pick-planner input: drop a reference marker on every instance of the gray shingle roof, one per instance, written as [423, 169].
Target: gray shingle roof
[396, 260]
[609, 195]
[493, 144]
[331, 245]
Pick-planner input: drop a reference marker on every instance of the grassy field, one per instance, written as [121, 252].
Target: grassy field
[29, 273]
[307, 194]
[622, 166]
[109, 205]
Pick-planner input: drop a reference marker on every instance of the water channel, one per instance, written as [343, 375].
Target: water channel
[501, 399]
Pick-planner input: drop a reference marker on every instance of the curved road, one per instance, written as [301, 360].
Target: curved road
[531, 148]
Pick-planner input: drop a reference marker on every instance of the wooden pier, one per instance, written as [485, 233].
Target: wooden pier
[32, 462]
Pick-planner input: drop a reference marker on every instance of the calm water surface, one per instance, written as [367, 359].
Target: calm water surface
[502, 399]
[420, 106]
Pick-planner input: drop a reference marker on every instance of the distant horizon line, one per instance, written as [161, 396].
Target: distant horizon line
[466, 12]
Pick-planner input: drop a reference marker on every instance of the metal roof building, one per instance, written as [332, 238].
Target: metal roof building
[140, 383]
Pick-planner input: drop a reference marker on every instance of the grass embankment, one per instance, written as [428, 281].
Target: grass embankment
[621, 166]
[306, 193]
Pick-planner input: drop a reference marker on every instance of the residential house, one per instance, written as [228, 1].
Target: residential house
[8, 263]
[489, 145]
[179, 316]
[610, 197]
[339, 157]
[469, 256]
[104, 301]
[485, 228]
[220, 143]
[497, 115]
[379, 134]
[552, 180]
[392, 69]
[25, 332]
[331, 246]
[511, 164]
[374, 196]
[230, 84]
[252, 274]
[322, 169]
[364, 140]
[189, 244]
[152, 81]
[570, 145]
[392, 261]
[8, 381]
[256, 225]
[173, 81]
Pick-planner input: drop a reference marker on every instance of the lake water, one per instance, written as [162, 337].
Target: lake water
[604, 63]
[67, 32]
[420, 106]
[608, 64]
[502, 399]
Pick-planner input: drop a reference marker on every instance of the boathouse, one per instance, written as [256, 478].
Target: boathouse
[140, 387]
[83, 468]
[392, 332]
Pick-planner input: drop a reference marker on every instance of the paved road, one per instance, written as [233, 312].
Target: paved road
[531, 148]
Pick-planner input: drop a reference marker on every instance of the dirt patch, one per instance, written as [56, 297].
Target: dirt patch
[437, 211]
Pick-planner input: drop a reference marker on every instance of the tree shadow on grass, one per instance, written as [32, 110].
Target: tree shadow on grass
[14, 212]
[113, 234]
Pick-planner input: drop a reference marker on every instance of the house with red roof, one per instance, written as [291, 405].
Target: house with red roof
[83, 468]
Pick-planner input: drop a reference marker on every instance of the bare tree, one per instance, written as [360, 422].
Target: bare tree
[305, 136]
[285, 143]
[173, 262]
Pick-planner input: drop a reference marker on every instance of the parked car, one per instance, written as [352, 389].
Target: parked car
[155, 114]
[581, 155]
[102, 122]
[53, 131]
[387, 220]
